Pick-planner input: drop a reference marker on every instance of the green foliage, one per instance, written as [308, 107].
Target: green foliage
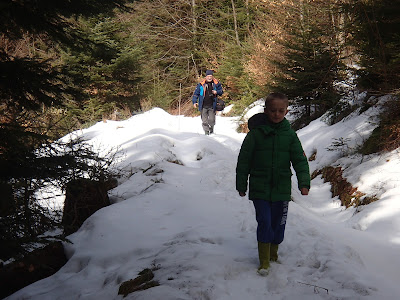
[51, 17]
[341, 145]
[372, 144]
[29, 83]
[107, 69]
[375, 29]
[36, 89]
[311, 72]
[385, 137]
[240, 88]
[311, 65]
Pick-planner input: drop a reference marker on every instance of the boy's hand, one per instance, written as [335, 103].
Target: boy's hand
[304, 191]
[195, 105]
[241, 194]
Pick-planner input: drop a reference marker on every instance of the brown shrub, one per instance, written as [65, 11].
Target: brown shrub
[348, 195]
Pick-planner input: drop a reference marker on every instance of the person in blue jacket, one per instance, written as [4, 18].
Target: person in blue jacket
[205, 98]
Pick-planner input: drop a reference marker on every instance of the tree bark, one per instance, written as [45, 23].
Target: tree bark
[235, 22]
[194, 29]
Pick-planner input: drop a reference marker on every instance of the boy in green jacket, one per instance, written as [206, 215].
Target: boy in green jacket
[267, 153]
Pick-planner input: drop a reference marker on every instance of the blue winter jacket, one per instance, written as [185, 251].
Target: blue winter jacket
[198, 95]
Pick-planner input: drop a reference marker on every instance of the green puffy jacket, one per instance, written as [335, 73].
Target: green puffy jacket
[266, 155]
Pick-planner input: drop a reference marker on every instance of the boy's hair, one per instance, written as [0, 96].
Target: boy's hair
[276, 96]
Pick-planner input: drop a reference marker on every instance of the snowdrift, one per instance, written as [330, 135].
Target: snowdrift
[178, 213]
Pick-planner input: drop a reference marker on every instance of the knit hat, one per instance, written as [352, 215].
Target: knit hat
[209, 72]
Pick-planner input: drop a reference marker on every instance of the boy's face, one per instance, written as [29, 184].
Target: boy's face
[276, 110]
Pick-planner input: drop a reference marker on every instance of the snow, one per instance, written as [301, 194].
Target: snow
[179, 214]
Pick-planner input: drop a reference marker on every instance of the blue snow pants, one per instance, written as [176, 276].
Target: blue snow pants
[271, 219]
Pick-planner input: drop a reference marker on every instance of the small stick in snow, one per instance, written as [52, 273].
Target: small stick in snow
[316, 287]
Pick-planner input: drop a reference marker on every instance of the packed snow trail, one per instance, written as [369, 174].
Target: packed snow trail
[179, 213]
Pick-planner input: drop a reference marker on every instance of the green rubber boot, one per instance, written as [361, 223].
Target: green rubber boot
[274, 252]
[264, 256]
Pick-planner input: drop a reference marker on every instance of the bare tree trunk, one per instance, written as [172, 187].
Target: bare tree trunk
[194, 38]
[248, 16]
[235, 22]
[302, 24]
[338, 26]
[194, 29]
[27, 209]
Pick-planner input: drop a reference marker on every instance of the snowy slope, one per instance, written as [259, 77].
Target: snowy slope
[179, 213]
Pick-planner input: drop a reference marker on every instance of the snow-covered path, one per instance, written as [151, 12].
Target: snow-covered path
[179, 214]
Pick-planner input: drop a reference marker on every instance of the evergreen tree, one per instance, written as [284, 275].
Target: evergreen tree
[34, 91]
[375, 27]
[311, 63]
[107, 69]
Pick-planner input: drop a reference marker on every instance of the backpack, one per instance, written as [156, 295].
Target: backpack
[220, 105]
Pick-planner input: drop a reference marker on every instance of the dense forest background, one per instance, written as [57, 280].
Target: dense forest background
[65, 65]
